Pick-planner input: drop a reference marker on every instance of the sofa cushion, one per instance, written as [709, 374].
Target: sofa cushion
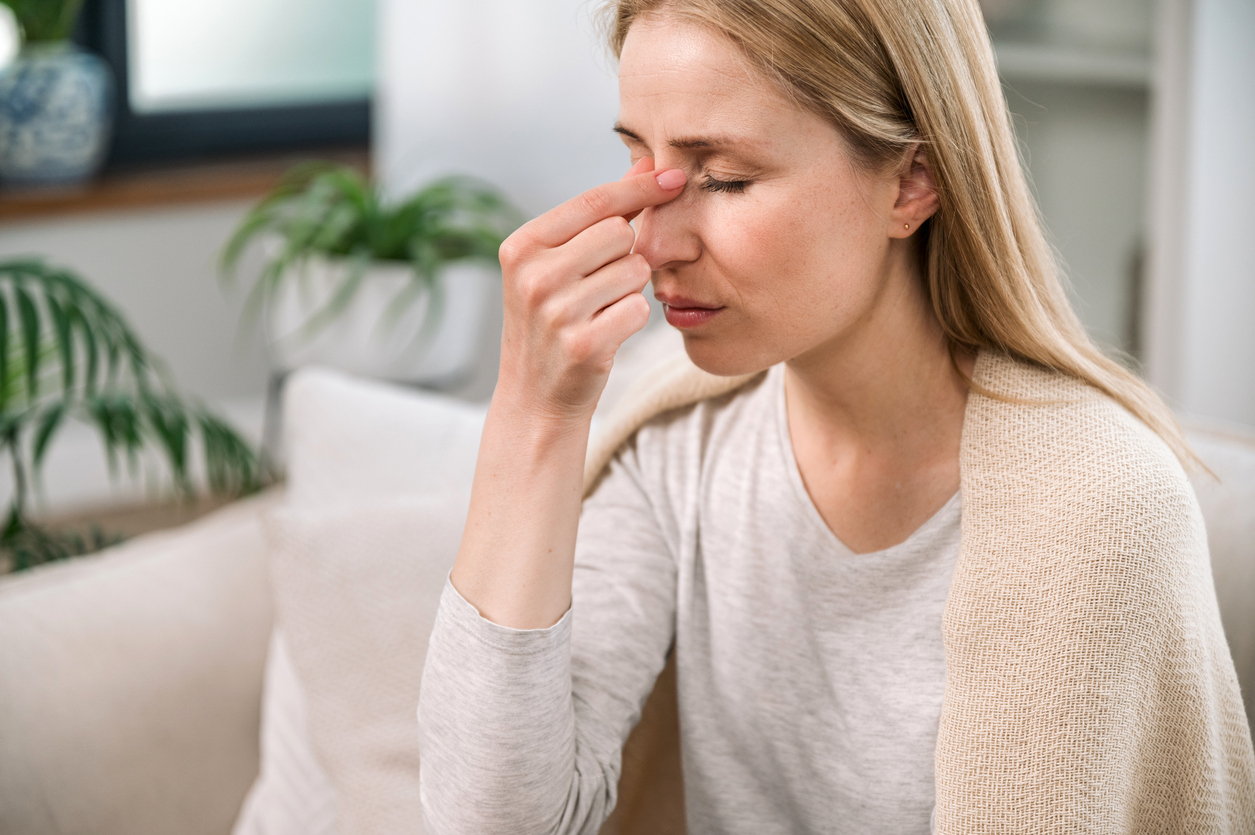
[378, 482]
[356, 591]
[348, 439]
[293, 793]
[1227, 499]
[131, 683]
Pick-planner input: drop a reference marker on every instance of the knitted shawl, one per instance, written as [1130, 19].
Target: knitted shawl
[1089, 686]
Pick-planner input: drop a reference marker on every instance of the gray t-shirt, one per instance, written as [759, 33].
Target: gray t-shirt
[810, 678]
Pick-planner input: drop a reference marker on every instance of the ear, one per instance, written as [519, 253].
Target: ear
[917, 194]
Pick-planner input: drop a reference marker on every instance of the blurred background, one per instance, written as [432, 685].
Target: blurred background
[1135, 119]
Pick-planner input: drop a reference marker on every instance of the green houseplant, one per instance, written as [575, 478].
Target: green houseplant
[381, 275]
[67, 353]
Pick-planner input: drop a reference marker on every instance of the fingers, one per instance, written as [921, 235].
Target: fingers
[627, 196]
[620, 320]
[603, 288]
[642, 165]
[598, 245]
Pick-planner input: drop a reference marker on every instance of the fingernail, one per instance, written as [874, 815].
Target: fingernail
[671, 179]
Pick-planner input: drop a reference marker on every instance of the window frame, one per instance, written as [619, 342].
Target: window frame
[188, 135]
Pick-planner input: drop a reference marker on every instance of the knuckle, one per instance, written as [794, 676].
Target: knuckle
[639, 309]
[529, 289]
[625, 234]
[596, 201]
[577, 345]
[551, 314]
[639, 266]
[646, 190]
[614, 233]
[512, 251]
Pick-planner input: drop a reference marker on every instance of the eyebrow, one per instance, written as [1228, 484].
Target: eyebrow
[686, 144]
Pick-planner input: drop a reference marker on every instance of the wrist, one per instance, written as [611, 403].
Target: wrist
[530, 403]
[532, 422]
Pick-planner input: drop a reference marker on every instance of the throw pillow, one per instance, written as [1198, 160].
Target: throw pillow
[350, 442]
[347, 439]
[293, 793]
[356, 593]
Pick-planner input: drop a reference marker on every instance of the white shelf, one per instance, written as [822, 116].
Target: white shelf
[1072, 65]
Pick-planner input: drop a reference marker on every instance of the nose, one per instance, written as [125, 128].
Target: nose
[667, 235]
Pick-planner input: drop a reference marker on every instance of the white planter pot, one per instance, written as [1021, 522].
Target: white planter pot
[359, 341]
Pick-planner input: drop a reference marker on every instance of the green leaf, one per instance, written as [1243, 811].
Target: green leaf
[48, 424]
[5, 389]
[256, 221]
[29, 318]
[45, 20]
[65, 341]
[169, 423]
[325, 211]
[88, 336]
[355, 271]
[100, 412]
[123, 390]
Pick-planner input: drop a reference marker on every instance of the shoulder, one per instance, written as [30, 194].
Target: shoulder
[671, 401]
[1054, 453]
[685, 439]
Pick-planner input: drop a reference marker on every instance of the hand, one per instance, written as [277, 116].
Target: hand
[572, 289]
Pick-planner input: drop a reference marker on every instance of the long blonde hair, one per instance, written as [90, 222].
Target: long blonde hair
[892, 73]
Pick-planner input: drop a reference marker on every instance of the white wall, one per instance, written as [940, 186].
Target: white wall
[521, 94]
[1218, 351]
[1201, 296]
[1085, 145]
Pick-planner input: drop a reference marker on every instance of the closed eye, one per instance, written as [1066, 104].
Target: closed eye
[731, 186]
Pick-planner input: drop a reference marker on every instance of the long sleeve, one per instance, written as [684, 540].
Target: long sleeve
[521, 731]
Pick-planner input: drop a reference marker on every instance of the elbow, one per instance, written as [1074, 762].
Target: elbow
[464, 795]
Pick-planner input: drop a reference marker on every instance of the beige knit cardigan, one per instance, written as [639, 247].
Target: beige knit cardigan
[1089, 687]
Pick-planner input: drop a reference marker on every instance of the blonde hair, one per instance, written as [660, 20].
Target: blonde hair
[892, 73]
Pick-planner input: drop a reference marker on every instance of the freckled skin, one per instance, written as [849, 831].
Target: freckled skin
[814, 266]
[802, 256]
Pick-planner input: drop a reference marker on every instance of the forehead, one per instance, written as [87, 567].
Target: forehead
[676, 76]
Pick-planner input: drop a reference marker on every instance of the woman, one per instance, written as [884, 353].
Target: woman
[924, 555]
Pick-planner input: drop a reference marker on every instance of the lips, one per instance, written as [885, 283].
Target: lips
[683, 312]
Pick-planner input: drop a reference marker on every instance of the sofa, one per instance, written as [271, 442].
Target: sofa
[132, 682]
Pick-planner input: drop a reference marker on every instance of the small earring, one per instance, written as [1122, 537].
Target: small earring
[906, 226]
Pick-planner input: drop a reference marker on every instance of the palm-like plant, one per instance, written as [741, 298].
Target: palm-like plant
[322, 210]
[67, 353]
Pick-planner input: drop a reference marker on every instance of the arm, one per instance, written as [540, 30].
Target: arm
[498, 719]
[521, 730]
[572, 296]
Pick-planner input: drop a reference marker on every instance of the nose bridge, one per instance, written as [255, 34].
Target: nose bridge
[669, 232]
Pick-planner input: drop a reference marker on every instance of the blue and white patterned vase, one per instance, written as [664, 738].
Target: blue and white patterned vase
[56, 113]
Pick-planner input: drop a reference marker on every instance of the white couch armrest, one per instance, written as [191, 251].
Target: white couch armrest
[130, 682]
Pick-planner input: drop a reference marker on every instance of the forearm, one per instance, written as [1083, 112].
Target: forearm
[571, 293]
[515, 561]
[520, 730]
[497, 732]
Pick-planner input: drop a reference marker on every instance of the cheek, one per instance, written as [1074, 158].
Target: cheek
[804, 248]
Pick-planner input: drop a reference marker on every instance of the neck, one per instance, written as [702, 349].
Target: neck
[888, 385]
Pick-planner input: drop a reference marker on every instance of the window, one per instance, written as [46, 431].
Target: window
[197, 79]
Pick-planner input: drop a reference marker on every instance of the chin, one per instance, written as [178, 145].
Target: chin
[723, 358]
